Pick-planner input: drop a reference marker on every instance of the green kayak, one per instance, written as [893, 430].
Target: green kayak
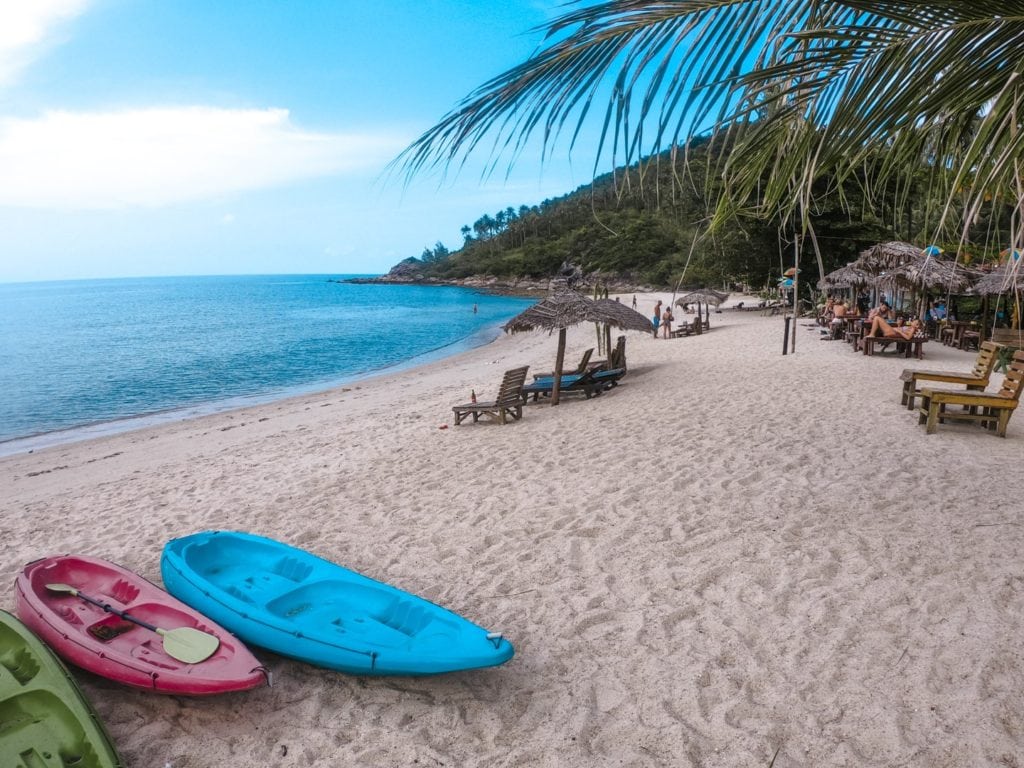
[45, 722]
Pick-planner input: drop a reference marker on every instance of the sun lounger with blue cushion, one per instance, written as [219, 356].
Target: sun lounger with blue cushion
[590, 383]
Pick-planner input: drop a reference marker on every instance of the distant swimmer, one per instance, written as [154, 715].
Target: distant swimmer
[474, 309]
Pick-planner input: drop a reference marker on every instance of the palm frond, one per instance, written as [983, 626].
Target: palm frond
[797, 90]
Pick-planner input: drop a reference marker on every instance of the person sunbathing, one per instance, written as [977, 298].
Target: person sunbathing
[880, 327]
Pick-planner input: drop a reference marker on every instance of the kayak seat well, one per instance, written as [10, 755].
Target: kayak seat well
[221, 561]
[293, 568]
[42, 718]
[71, 612]
[123, 591]
[352, 607]
[405, 616]
[19, 661]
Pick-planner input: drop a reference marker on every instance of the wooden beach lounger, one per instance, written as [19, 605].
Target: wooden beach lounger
[581, 368]
[991, 410]
[906, 347]
[976, 379]
[591, 383]
[508, 403]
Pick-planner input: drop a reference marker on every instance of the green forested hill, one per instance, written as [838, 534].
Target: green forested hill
[640, 227]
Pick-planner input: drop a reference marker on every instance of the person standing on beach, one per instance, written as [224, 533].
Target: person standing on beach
[666, 322]
[656, 320]
[634, 301]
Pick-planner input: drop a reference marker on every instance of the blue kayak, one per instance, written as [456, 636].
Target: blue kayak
[299, 605]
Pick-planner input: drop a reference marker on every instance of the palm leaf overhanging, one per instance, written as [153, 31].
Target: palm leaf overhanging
[801, 89]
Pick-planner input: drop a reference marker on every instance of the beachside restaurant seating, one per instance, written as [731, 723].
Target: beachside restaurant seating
[991, 410]
[590, 384]
[507, 405]
[581, 368]
[975, 379]
[1010, 340]
[853, 332]
[960, 334]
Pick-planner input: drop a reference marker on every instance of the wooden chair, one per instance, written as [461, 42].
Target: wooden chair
[508, 403]
[853, 332]
[581, 368]
[970, 338]
[946, 332]
[991, 410]
[975, 380]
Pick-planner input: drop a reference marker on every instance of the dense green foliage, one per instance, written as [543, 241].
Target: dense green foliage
[649, 227]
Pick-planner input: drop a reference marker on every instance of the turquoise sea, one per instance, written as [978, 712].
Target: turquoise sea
[90, 356]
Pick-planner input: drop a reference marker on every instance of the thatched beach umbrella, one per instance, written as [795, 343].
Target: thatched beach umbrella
[704, 296]
[615, 314]
[564, 308]
[701, 296]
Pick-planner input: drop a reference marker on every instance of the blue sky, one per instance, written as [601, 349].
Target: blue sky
[241, 137]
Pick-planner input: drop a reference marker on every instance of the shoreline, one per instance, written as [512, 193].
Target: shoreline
[712, 564]
[40, 440]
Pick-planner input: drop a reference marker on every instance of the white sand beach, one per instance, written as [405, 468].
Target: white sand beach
[733, 556]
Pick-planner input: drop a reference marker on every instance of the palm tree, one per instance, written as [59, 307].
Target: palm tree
[798, 90]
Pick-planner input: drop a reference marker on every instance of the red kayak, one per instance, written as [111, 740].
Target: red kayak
[114, 623]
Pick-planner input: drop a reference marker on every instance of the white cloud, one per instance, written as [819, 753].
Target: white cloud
[25, 25]
[161, 156]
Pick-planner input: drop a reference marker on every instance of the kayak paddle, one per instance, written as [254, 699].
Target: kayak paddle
[184, 643]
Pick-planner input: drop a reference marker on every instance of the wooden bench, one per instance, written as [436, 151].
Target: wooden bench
[906, 347]
[508, 403]
[975, 379]
[991, 410]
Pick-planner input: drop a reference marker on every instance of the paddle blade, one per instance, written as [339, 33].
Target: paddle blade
[62, 588]
[188, 644]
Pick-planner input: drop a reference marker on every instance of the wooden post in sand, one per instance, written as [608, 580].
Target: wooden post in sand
[556, 386]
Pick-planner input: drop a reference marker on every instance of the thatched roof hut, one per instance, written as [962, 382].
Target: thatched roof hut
[887, 256]
[849, 276]
[930, 274]
[1002, 279]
